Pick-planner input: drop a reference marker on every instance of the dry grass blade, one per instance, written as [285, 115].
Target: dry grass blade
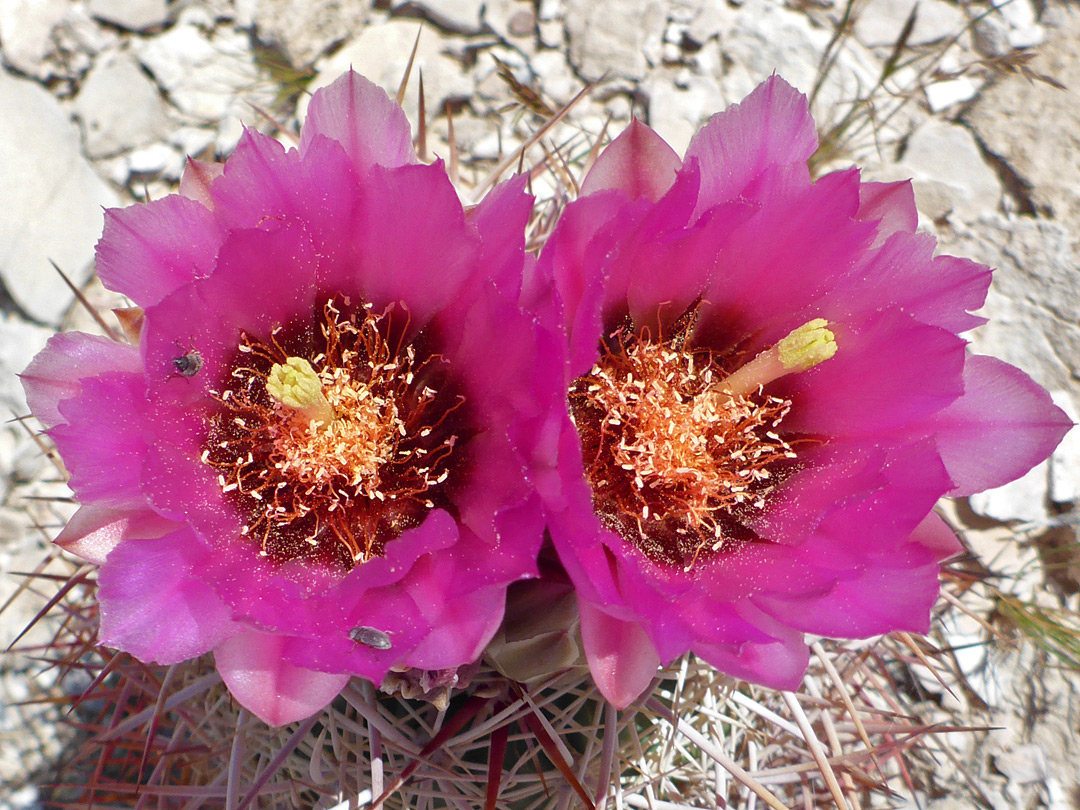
[519, 153]
[528, 97]
[276, 124]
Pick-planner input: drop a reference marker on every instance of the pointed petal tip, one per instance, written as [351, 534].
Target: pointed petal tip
[264, 683]
[638, 162]
[622, 659]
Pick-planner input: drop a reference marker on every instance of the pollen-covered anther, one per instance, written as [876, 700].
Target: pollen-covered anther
[671, 459]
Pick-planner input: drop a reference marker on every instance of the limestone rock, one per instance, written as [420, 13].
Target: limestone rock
[456, 15]
[765, 37]
[1032, 306]
[19, 342]
[949, 92]
[120, 107]
[880, 21]
[134, 15]
[611, 37]
[26, 28]
[676, 113]
[946, 156]
[1035, 128]
[304, 29]
[52, 201]
[1023, 499]
[201, 72]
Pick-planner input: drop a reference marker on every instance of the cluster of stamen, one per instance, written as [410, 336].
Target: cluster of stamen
[331, 455]
[676, 461]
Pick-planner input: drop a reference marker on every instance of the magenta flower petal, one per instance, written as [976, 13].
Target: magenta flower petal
[197, 179]
[353, 112]
[891, 206]
[255, 669]
[96, 529]
[770, 127]
[152, 604]
[57, 373]
[101, 449]
[638, 162]
[767, 396]
[149, 250]
[1007, 416]
[501, 218]
[621, 657]
[779, 663]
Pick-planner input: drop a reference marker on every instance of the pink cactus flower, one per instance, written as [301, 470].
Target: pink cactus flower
[767, 397]
[311, 461]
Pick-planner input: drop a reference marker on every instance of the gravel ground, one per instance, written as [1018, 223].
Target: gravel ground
[103, 100]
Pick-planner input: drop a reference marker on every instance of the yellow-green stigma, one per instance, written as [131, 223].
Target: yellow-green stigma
[296, 385]
[810, 345]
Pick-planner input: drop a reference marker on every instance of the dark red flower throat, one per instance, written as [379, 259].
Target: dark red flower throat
[337, 434]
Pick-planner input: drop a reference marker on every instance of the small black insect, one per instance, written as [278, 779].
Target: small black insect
[370, 637]
[188, 365]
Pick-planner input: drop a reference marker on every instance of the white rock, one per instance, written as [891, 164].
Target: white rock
[381, 53]
[19, 342]
[1030, 36]
[157, 158]
[134, 15]
[1034, 318]
[1065, 461]
[201, 73]
[880, 22]
[713, 18]
[26, 28]
[305, 29]
[192, 141]
[947, 154]
[552, 33]
[52, 200]
[944, 94]
[676, 113]
[765, 37]
[550, 10]
[87, 34]
[610, 37]
[457, 15]
[1023, 499]
[1023, 765]
[991, 37]
[120, 107]
[556, 78]
[1017, 13]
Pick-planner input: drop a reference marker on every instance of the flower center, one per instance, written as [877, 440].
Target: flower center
[679, 453]
[333, 441]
